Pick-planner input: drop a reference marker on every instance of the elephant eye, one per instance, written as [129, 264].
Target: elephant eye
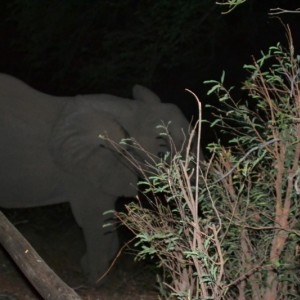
[161, 154]
[163, 146]
[162, 141]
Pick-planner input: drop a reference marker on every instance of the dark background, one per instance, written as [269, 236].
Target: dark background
[68, 47]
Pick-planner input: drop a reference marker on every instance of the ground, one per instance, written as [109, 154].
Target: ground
[62, 250]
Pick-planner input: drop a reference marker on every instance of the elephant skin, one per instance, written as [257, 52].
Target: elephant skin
[51, 153]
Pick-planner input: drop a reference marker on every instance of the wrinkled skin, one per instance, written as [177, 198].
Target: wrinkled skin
[51, 153]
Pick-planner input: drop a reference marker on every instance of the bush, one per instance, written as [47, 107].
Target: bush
[229, 228]
[258, 196]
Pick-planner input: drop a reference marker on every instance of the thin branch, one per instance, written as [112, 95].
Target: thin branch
[262, 145]
[277, 11]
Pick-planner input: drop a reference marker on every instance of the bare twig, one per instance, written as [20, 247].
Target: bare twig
[245, 156]
[277, 11]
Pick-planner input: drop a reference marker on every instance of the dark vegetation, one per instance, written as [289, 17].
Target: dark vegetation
[70, 47]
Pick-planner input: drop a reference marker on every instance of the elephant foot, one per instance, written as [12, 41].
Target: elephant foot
[94, 276]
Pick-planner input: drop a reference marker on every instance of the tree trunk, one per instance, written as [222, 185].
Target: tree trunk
[44, 280]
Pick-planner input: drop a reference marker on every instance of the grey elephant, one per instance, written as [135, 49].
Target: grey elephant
[51, 153]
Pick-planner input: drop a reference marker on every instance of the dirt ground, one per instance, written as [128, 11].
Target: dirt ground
[59, 242]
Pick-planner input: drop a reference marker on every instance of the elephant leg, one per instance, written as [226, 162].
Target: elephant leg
[101, 243]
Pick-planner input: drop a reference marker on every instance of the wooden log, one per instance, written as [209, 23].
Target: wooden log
[41, 276]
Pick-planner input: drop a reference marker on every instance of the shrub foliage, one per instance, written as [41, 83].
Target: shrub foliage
[229, 228]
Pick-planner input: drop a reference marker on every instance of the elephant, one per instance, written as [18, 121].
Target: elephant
[51, 153]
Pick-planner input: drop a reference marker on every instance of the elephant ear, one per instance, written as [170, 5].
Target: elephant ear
[78, 150]
[142, 93]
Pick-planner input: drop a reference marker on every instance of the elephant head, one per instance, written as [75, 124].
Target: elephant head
[53, 154]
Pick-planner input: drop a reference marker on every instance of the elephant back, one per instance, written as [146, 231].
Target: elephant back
[22, 103]
[13, 87]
